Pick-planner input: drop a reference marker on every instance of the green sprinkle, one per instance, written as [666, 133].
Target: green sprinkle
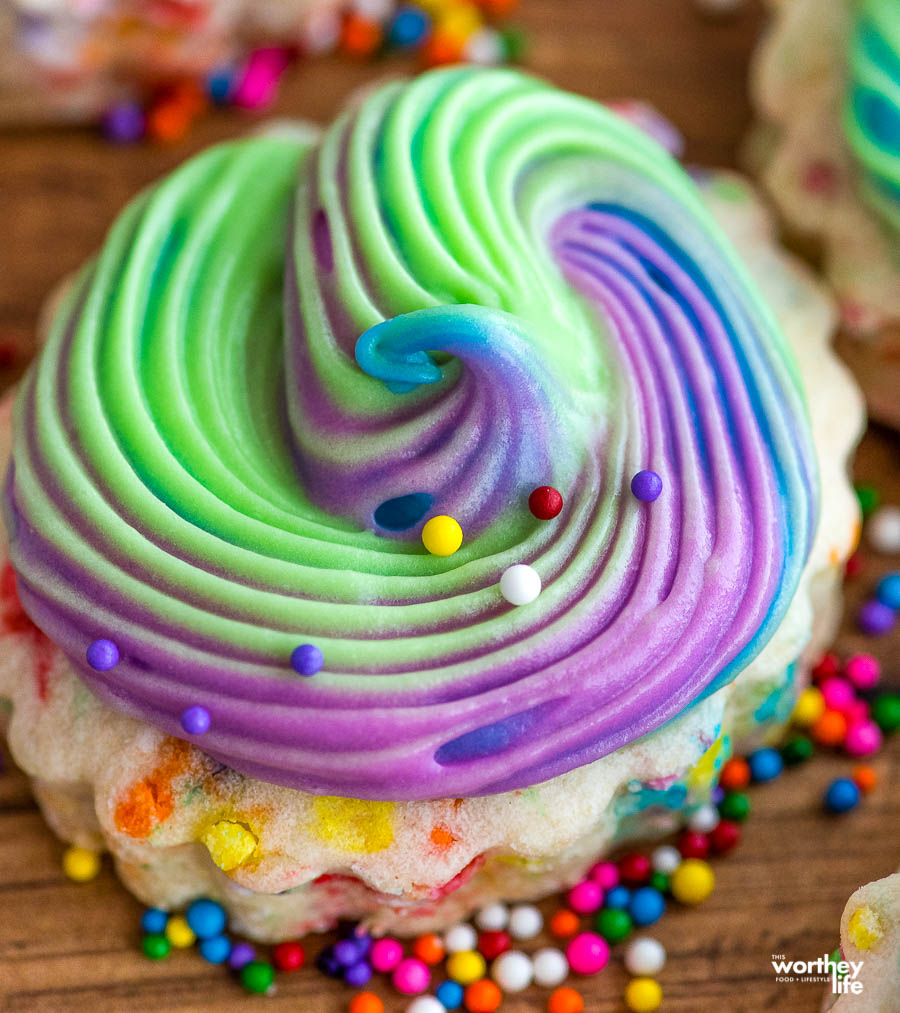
[735, 806]
[868, 497]
[797, 750]
[613, 924]
[155, 946]
[257, 976]
[886, 712]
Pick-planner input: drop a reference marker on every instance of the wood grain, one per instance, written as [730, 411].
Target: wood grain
[74, 947]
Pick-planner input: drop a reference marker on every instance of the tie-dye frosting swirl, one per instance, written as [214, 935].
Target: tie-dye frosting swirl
[488, 285]
[872, 106]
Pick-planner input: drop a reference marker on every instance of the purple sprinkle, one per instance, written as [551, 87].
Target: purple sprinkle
[306, 659]
[718, 793]
[195, 720]
[358, 975]
[124, 123]
[876, 619]
[327, 963]
[241, 954]
[646, 486]
[102, 655]
[346, 952]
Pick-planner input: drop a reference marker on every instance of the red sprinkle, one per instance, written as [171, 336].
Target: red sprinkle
[492, 944]
[545, 502]
[634, 868]
[829, 664]
[693, 845]
[724, 836]
[288, 956]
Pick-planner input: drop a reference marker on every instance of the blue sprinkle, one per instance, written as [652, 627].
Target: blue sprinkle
[765, 765]
[450, 994]
[403, 512]
[842, 795]
[215, 950]
[154, 921]
[206, 918]
[618, 898]
[646, 906]
[408, 27]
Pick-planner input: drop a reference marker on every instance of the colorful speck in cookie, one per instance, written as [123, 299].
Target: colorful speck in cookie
[401, 518]
[827, 84]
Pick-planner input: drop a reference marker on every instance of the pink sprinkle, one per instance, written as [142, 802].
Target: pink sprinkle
[386, 954]
[838, 693]
[863, 671]
[605, 875]
[587, 953]
[863, 739]
[585, 897]
[411, 976]
[259, 81]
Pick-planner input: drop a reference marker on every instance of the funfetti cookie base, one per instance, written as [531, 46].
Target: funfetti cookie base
[285, 862]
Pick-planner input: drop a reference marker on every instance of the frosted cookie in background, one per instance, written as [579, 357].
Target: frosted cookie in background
[870, 935]
[826, 84]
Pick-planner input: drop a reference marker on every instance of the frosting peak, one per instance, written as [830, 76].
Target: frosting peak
[284, 360]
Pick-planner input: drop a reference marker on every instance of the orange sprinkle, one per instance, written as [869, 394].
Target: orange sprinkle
[441, 48]
[564, 924]
[866, 779]
[830, 729]
[150, 801]
[565, 1000]
[429, 949]
[359, 36]
[366, 1002]
[482, 996]
[442, 837]
[735, 774]
[168, 121]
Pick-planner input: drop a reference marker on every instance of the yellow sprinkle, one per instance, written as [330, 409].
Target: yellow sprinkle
[353, 825]
[810, 706]
[465, 967]
[229, 844]
[80, 864]
[179, 933]
[442, 535]
[864, 928]
[693, 881]
[702, 774]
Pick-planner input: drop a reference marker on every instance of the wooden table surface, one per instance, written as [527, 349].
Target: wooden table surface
[74, 947]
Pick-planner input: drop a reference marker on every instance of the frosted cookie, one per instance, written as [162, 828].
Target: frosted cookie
[870, 944]
[826, 81]
[246, 647]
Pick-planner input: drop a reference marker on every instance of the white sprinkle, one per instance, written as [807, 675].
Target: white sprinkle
[460, 939]
[705, 819]
[493, 918]
[525, 921]
[883, 530]
[512, 971]
[665, 859]
[645, 957]
[520, 584]
[550, 967]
